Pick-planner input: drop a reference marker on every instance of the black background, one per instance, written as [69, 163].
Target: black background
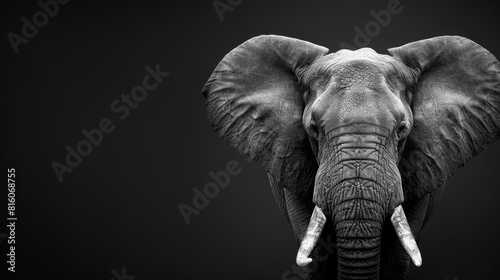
[119, 207]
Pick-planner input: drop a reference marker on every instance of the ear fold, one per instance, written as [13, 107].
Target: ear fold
[254, 102]
[456, 108]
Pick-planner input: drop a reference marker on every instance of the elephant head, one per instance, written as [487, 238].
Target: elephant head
[350, 139]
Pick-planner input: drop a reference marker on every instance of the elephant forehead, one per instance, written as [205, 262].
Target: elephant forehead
[366, 54]
[362, 67]
[357, 73]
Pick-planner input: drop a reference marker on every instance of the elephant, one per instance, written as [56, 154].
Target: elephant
[357, 144]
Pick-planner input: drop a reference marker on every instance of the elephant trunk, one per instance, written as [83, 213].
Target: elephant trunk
[358, 220]
[361, 189]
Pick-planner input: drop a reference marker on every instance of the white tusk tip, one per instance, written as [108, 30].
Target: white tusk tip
[403, 231]
[303, 261]
[417, 260]
[311, 236]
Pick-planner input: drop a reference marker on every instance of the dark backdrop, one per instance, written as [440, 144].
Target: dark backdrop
[119, 207]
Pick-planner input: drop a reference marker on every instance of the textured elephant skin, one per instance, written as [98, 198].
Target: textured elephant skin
[354, 135]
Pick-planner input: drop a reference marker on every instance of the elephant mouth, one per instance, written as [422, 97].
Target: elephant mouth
[317, 223]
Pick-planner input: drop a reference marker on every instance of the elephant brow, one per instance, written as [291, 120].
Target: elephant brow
[361, 128]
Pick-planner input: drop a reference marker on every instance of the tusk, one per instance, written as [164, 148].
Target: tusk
[403, 231]
[311, 237]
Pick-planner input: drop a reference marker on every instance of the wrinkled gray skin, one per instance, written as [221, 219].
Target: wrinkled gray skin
[357, 134]
[356, 117]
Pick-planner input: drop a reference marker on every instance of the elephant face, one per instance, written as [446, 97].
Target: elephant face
[357, 117]
[350, 139]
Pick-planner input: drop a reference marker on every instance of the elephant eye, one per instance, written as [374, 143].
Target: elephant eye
[313, 129]
[323, 81]
[402, 129]
[320, 82]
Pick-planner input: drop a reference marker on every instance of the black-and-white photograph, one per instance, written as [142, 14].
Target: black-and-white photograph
[235, 139]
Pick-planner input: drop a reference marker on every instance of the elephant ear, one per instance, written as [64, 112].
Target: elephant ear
[456, 108]
[254, 101]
